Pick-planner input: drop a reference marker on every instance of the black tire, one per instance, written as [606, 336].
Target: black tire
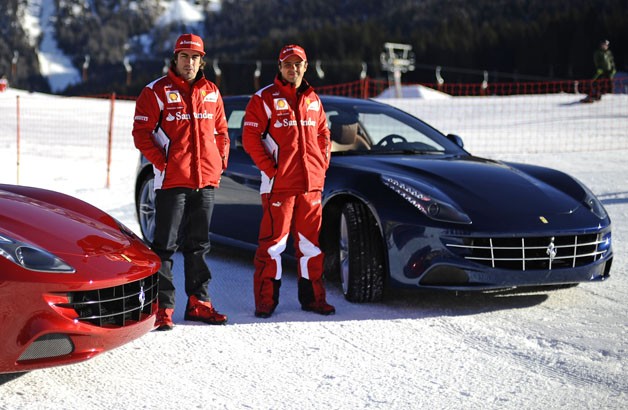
[146, 208]
[361, 254]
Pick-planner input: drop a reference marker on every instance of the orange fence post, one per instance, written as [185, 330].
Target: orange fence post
[364, 91]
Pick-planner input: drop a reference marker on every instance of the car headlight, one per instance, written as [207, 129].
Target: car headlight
[31, 257]
[431, 207]
[594, 205]
[591, 202]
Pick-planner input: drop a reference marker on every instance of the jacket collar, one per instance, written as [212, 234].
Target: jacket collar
[289, 89]
[181, 83]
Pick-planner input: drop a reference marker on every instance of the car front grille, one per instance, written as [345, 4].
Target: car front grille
[117, 306]
[534, 253]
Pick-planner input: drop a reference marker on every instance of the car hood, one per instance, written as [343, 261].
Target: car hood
[478, 186]
[57, 229]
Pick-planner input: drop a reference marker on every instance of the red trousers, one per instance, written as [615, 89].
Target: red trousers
[299, 215]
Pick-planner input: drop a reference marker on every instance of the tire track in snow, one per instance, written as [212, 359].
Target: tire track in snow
[551, 358]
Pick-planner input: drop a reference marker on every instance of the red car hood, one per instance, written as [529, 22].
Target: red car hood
[58, 229]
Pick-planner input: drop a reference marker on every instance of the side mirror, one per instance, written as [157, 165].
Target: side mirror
[456, 140]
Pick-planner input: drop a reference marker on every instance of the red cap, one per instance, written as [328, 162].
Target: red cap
[189, 42]
[292, 50]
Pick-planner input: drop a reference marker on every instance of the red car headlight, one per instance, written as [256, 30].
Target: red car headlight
[32, 257]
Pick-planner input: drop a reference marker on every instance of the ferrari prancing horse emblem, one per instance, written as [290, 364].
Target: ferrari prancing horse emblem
[551, 250]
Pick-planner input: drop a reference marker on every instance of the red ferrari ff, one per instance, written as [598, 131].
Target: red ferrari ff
[74, 282]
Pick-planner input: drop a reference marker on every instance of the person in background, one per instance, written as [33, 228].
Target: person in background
[285, 132]
[4, 83]
[604, 72]
[181, 128]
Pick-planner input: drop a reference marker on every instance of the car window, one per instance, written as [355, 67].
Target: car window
[387, 131]
[362, 128]
[356, 129]
[235, 118]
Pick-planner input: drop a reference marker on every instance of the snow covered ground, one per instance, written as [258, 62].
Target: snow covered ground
[538, 349]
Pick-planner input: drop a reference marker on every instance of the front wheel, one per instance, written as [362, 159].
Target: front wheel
[361, 254]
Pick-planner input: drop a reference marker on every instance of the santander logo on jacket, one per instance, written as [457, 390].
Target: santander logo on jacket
[285, 133]
[182, 130]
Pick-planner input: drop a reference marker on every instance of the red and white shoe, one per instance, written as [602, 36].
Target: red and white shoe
[201, 311]
[163, 319]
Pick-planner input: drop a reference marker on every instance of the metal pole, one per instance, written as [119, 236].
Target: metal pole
[257, 74]
[217, 71]
[18, 139]
[110, 137]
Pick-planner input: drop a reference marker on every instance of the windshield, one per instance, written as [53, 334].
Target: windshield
[362, 127]
[368, 128]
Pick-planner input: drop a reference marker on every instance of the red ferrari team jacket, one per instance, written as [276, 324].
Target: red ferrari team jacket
[182, 130]
[285, 133]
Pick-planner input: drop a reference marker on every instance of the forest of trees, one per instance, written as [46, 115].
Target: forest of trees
[512, 40]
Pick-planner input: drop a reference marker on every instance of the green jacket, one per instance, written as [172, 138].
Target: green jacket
[604, 63]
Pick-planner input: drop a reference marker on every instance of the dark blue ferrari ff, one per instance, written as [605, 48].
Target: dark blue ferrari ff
[405, 205]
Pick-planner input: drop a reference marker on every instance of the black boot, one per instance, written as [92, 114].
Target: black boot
[312, 297]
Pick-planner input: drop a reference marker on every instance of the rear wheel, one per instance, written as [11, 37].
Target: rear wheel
[146, 208]
[361, 254]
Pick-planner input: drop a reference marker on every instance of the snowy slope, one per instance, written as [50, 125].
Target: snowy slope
[53, 64]
[180, 11]
[57, 67]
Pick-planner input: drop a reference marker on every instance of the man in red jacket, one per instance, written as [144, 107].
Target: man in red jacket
[285, 133]
[181, 128]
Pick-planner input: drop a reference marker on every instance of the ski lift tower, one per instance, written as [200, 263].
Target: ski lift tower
[396, 59]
